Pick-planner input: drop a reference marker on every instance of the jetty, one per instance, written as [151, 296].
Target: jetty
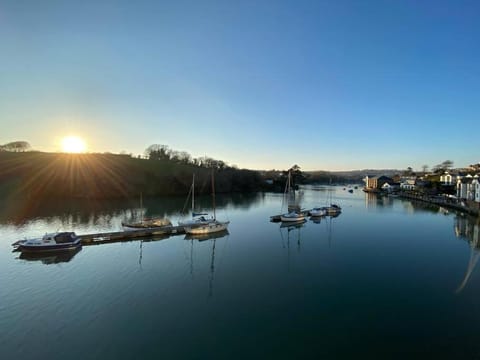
[118, 236]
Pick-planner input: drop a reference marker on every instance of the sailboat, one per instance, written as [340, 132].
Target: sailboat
[197, 218]
[333, 209]
[145, 223]
[212, 226]
[294, 213]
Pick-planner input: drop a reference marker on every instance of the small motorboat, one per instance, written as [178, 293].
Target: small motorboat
[58, 241]
[317, 212]
[292, 216]
[333, 209]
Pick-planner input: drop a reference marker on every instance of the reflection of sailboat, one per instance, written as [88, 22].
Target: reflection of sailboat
[50, 258]
[210, 236]
[210, 227]
[214, 236]
[197, 218]
[289, 228]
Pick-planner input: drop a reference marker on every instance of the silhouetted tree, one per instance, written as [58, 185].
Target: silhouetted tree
[16, 146]
[157, 152]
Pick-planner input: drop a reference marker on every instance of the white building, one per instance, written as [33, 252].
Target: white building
[468, 187]
[407, 184]
[476, 186]
[446, 178]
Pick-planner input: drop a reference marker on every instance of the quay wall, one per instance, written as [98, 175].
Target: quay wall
[470, 207]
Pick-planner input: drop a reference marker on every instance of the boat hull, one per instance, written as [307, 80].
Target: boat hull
[50, 248]
[292, 217]
[208, 228]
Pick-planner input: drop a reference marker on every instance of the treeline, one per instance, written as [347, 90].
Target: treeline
[163, 152]
[100, 176]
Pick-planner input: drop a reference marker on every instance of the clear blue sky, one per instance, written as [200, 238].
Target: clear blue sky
[260, 84]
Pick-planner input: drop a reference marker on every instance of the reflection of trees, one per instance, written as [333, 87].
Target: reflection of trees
[468, 228]
[107, 212]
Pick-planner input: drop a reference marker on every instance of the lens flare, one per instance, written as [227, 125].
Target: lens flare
[73, 144]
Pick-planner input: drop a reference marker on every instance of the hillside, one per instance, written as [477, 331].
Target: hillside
[40, 175]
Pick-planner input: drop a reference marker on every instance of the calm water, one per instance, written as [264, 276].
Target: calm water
[385, 279]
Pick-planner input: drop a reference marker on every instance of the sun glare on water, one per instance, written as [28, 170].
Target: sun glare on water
[73, 144]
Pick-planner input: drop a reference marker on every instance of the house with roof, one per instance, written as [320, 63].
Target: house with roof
[408, 183]
[468, 187]
[447, 178]
[375, 183]
[391, 187]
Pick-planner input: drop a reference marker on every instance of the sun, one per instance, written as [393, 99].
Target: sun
[73, 144]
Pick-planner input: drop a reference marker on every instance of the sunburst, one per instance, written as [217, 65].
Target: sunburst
[73, 144]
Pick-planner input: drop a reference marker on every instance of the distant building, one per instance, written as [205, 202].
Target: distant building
[391, 187]
[375, 183]
[468, 187]
[476, 185]
[446, 179]
[407, 184]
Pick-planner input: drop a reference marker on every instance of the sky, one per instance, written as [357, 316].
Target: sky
[327, 85]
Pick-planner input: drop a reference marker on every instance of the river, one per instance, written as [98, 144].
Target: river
[387, 278]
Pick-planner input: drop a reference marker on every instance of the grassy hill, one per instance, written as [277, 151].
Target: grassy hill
[39, 175]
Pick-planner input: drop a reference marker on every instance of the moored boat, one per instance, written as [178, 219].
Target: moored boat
[211, 227]
[292, 216]
[58, 241]
[333, 209]
[146, 224]
[197, 218]
[317, 212]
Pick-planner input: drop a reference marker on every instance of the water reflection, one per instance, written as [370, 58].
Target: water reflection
[285, 232]
[373, 200]
[109, 213]
[50, 258]
[468, 228]
[213, 237]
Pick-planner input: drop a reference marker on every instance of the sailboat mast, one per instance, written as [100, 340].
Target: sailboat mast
[141, 206]
[193, 193]
[213, 196]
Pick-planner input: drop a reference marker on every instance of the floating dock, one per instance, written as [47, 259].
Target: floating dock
[116, 236]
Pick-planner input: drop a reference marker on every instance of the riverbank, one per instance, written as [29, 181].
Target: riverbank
[468, 207]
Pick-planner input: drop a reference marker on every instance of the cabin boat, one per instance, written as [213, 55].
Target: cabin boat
[211, 227]
[58, 241]
[146, 224]
[317, 212]
[292, 217]
[333, 209]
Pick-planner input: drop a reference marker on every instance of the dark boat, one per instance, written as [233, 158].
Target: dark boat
[59, 241]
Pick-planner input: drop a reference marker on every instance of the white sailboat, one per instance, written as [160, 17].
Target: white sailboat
[197, 218]
[294, 213]
[210, 227]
